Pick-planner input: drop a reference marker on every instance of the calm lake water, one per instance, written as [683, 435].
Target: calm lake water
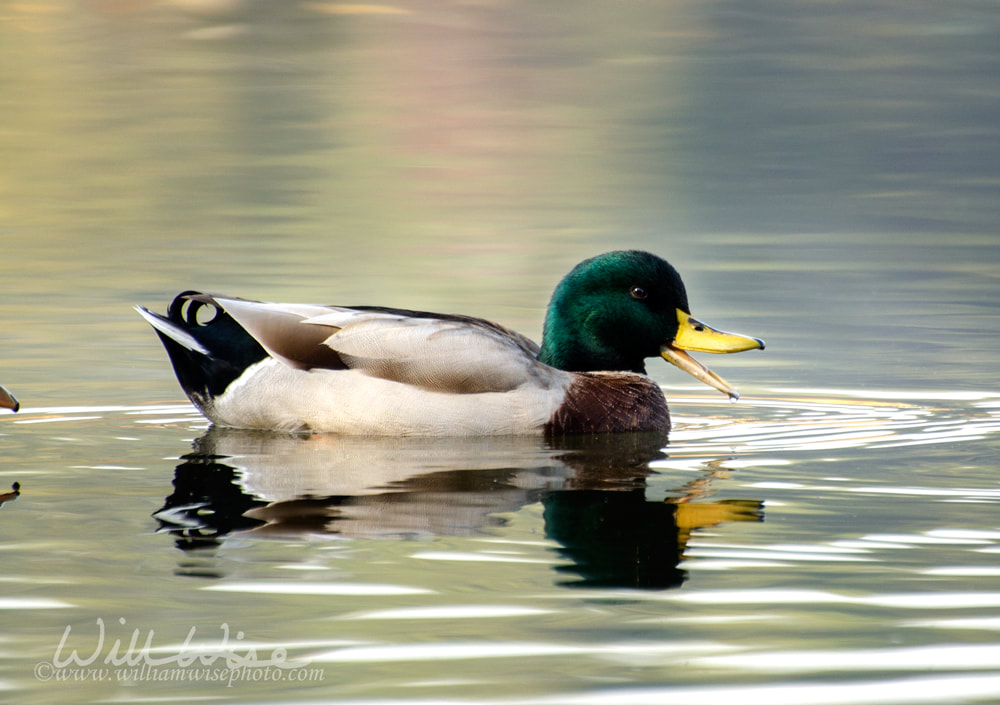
[824, 175]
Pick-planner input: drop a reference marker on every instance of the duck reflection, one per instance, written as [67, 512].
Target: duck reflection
[593, 492]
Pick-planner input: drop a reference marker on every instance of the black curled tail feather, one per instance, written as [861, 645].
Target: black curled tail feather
[208, 349]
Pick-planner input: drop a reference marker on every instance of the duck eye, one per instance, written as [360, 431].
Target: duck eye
[637, 292]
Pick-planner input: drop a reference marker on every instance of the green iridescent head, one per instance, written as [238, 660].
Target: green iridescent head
[613, 311]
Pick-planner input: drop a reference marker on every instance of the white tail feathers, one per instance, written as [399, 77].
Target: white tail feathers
[172, 331]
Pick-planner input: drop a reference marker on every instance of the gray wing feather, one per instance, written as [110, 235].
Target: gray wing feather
[451, 354]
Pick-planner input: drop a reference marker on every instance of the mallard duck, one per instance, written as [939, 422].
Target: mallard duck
[388, 371]
[7, 400]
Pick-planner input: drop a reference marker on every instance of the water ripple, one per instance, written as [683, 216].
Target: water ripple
[902, 691]
[316, 588]
[792, 419]
[830, 419]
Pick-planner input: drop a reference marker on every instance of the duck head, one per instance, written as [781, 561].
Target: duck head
[613, 311]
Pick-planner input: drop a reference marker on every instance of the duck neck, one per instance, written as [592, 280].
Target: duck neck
[579, 350]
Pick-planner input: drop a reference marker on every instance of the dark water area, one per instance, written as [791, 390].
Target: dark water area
[823, 175]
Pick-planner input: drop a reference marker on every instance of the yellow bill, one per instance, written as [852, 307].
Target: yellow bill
[694, 335]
